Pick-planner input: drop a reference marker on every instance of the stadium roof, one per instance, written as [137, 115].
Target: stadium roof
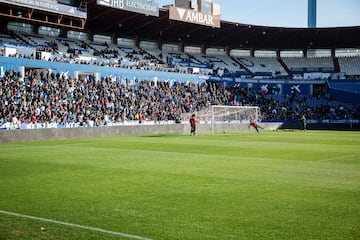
[118, 23]
[231, 35]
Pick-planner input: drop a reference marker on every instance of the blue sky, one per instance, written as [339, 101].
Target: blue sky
[287, 13]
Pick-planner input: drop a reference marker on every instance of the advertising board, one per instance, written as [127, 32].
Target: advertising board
[145, 7]
[193, 16]
[49, 6]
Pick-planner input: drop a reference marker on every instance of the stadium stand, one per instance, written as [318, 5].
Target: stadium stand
[263, 66]
[43, 97]
[309, 64]
[97, 81]
[350, 65]
[221, 63]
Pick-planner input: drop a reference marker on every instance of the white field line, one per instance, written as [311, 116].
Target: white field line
[74, 225]
[337, 158]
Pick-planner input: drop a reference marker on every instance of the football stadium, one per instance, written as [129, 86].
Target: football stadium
[123, 119]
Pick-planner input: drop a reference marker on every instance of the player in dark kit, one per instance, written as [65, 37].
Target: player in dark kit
[303, 121]
[192, 125]
[255, 125]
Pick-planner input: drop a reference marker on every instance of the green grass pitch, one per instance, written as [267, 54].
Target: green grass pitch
[272, 185]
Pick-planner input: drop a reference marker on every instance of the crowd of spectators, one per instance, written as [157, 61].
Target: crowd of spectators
[291, 106]
[45, 97]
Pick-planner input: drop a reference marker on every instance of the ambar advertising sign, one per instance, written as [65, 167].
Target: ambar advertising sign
[196, 17]
[145, 7]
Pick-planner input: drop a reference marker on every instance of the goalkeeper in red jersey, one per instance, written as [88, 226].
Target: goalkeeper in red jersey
[255, 126]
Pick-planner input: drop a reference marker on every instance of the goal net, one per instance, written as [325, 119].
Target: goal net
[221, 114]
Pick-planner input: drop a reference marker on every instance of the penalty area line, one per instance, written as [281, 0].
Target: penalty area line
[74, 225]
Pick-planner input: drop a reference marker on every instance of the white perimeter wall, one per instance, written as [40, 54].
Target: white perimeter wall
[95, 132]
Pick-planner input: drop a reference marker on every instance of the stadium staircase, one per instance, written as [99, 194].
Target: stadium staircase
[242, 66]
[157, 58]
[18, 37]
[284, 65]
[336, 64]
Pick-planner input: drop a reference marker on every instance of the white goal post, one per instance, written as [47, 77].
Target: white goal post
[221, 114]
